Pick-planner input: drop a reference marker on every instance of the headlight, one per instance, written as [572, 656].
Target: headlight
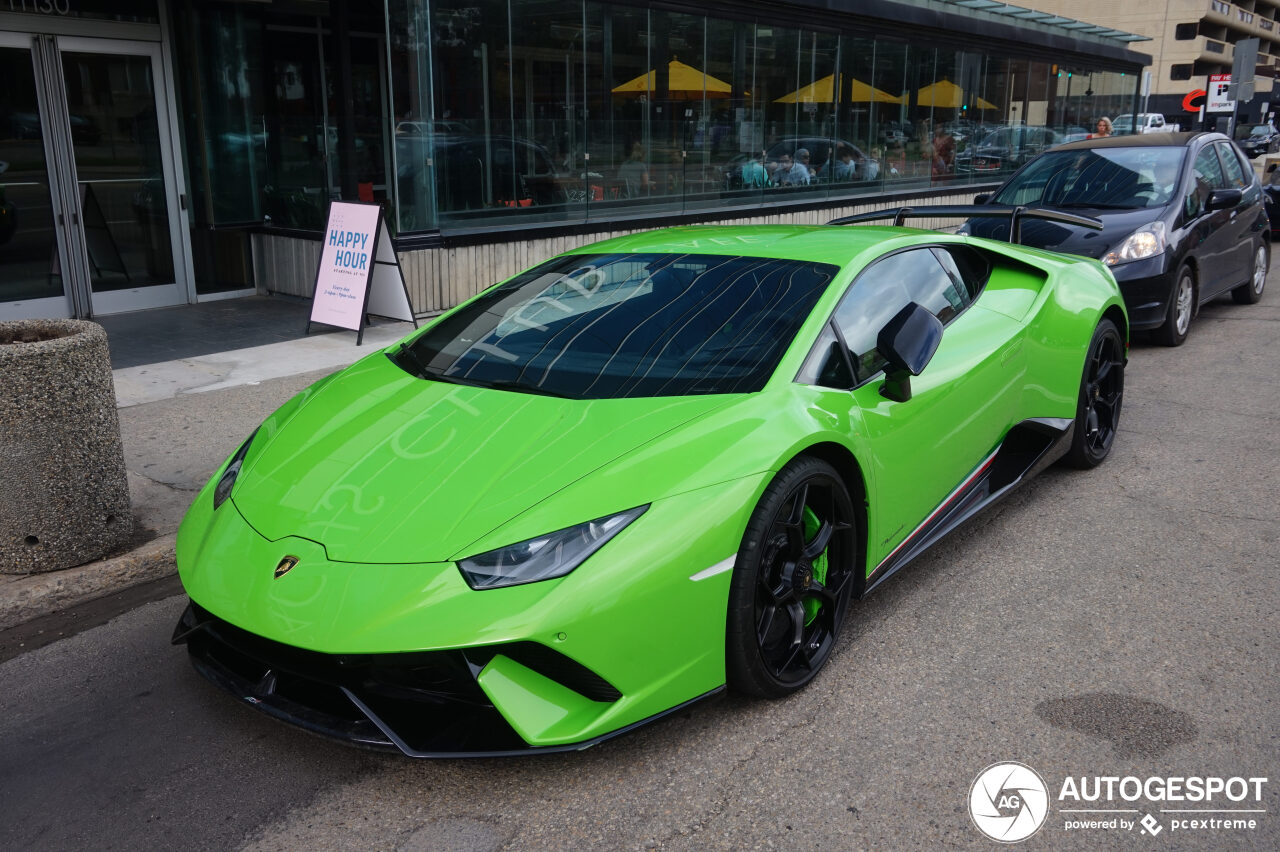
[228, 480]
[544, 557]
[1147, 241]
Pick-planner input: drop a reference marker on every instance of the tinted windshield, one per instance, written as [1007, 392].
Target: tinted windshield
[1116, 178]
[626, 325]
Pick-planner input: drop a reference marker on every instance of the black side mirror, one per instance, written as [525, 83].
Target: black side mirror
[982, 198]
[908, 342]
[1222, 199]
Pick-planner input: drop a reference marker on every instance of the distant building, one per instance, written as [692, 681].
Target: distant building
[1190, 40]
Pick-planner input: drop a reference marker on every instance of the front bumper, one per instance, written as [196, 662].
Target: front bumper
[1147, 286]
[408, 657]
[427, 704]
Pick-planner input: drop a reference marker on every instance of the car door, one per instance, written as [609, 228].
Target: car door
[1238, 231]
[960, 405]
[1212, 241]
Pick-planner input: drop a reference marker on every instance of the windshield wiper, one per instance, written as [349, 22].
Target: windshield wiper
[508, 384]
[405, 353]
[421, 371]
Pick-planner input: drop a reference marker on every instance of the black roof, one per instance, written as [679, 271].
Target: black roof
[1138, 140]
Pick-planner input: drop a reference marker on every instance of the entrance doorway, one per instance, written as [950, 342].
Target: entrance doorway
[90, 210]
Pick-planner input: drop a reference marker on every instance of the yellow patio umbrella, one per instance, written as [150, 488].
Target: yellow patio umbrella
[863, 93]
[823, 92]
[684, 83]
[947, 95]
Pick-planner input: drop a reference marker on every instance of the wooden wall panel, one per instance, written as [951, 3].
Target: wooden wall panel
[438, 279]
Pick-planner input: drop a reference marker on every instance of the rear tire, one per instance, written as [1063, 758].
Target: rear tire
[1182, 304]
[1251, 291]
[1101, 394]
[792, 581]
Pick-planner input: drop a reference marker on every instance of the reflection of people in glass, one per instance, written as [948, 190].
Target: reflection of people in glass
[793, 172]
[1103, 128]
[944, 154]
[634, 173]
[754, 174]
[870, 166]
[897, 158]
[842, 166]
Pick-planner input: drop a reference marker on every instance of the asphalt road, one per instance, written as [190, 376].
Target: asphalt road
[1111, 623]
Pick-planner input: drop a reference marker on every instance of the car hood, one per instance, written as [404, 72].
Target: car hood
[381, 467]
[1072, 239]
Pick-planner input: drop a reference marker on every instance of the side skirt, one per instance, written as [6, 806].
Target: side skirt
[1029, 448]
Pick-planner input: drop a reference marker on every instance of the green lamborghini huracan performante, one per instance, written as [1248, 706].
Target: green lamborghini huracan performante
[637, 474]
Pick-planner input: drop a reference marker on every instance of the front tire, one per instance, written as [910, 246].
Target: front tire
[792, 581]
[1182, 304]
[1101, 393]
[1251, 291]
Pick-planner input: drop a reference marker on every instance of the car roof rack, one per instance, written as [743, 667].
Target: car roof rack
[969, 211]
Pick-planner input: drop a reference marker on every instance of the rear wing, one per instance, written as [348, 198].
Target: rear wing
[1015, 216]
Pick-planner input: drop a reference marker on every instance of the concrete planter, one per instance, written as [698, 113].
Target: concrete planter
[64, 493]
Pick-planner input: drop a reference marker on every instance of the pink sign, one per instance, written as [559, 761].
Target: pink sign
[346, 264]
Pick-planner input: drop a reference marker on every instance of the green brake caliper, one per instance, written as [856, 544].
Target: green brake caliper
[811, 527]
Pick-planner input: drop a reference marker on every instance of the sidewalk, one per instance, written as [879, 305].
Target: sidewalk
[189, 389]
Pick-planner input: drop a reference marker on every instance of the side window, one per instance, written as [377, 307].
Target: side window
[1231, 167]
[826, 364]
[967, 268]
[1208, 177]
[884, 289]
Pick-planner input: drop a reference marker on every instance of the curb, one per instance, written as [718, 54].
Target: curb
[30, 596]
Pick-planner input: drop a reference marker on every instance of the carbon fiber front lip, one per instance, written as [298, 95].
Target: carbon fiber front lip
[460, 726]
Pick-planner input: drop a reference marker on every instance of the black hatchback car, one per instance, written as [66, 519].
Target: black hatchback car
[1182, 213]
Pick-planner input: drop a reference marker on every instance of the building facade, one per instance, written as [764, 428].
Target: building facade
[159, 152]
[1191, 40]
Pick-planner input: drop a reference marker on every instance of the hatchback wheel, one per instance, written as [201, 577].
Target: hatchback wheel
[1182, 304]
[1251, 291]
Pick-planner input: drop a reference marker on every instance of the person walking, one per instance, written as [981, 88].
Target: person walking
[1104, 128]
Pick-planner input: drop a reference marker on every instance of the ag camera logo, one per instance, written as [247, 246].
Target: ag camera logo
[1008, 802]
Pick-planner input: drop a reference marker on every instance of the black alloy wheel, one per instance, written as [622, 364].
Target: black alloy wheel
[1101, 394]
[791, 585]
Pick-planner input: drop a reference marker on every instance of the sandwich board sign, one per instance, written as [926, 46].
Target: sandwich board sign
[359, 274]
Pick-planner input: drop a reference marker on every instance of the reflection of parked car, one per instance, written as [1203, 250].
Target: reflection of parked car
[23, 125]
[1005, 148]
[1271, 197]
[422, 128]
[1148, 122]
[1256, 139]
[820, 148]
[894, 131]
[1183, 220]
[84, 130]
[473, 173]
[1072, 133]
[8, 214]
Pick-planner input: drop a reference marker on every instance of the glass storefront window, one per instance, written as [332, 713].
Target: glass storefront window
[495, 114]
[29, 268]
